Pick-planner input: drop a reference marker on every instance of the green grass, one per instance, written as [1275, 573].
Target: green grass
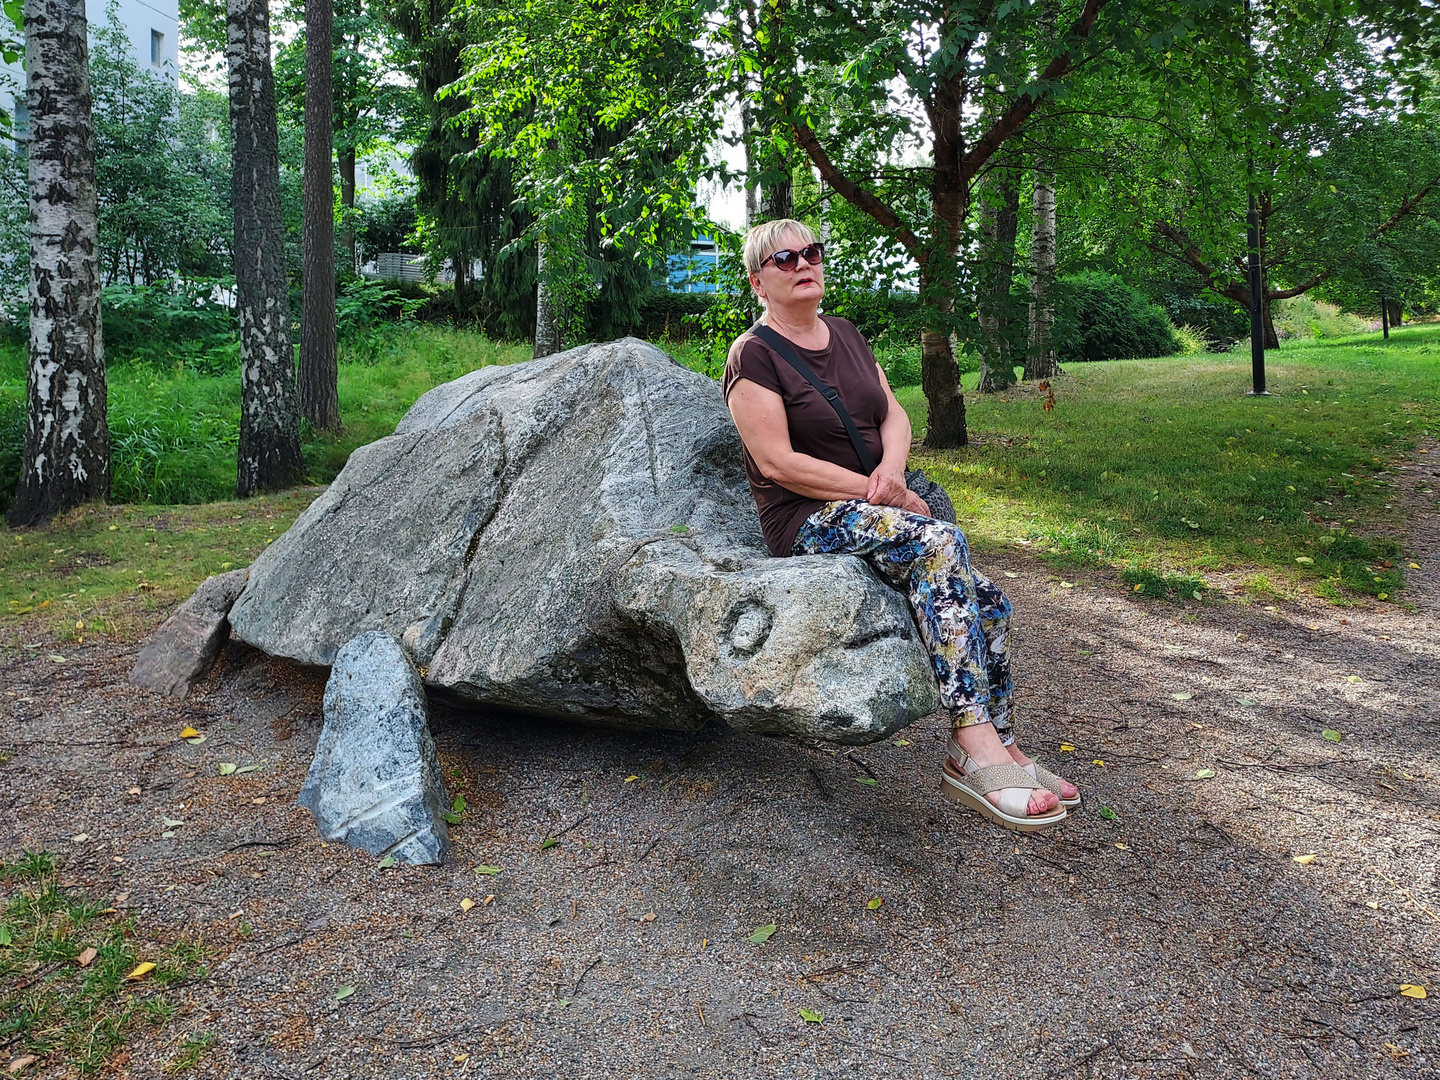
[174, 430]
[1166, 470]
[53, 1007]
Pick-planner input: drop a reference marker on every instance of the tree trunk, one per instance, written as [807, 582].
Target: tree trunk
[1272, 339]
[547, 318]
[347, 202]
[269, 455]
[1396, 315]
[319, 363]
[1000, 215]
[940, 377]
[778, 197]
[67, 438]
[1041, 359]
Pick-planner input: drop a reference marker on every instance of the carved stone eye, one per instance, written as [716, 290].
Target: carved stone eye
[750, 628]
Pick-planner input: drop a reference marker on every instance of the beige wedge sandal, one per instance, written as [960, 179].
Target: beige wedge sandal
[1014, 785]
[1041, 775]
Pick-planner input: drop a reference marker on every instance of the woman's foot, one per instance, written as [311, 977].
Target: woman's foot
[1068, 791]
[984, 748]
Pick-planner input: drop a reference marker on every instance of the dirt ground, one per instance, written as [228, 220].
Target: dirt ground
[1165, 930]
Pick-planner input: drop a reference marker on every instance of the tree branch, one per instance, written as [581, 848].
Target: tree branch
[853, 193]
[1190, 254]
[1020, 110]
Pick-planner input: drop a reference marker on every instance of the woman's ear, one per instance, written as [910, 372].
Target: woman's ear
[755, 287]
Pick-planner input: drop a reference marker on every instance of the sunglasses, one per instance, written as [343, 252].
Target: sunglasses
[787, 260]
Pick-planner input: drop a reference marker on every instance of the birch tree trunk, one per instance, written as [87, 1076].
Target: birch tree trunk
[67, 438]
[319, 362]
[1041, 360]
[547, 318]
[269, 455]
[1000, 216]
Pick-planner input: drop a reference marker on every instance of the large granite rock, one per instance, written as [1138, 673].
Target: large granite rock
[187, 643]
[574, 537]
[375, 782]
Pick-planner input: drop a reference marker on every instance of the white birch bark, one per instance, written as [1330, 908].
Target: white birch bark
[269, 455]
[547, 316]
[67, 438]
[1041, 361]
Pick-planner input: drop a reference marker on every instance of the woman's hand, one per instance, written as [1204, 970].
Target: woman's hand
[915, 504]
[887, 489]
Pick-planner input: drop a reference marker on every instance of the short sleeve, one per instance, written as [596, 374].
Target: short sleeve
[750, 359]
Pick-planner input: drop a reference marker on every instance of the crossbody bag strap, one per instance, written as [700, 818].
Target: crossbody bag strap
[777, 342]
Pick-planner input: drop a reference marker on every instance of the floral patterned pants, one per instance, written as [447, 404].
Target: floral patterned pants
[963, 618]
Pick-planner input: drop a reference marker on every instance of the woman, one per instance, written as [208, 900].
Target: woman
[814, 498]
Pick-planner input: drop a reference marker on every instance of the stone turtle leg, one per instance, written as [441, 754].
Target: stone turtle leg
[187, 643]
[375, 782]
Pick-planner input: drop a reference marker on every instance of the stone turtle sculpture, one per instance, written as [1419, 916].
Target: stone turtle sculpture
[573, 537]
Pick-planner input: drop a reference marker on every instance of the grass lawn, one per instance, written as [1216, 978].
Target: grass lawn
[1165, 469]
[1161, 469]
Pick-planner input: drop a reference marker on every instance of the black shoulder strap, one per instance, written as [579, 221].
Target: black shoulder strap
[772, 338]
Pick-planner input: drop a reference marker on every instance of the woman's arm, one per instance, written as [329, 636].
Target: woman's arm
[760, 418]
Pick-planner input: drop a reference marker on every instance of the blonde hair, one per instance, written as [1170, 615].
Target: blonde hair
[761, 240]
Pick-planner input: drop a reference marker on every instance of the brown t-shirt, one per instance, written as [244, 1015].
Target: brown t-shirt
[849, 366]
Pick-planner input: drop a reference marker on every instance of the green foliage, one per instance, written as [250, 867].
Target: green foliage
[1103, 318]
[387, 224]
[173, 321]
[1192, 342]
[1308, 317]
[1155, 584]
[1221, 322]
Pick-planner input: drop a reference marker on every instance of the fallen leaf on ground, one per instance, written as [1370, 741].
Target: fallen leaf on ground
[466, 904]
[489, 898]
[812, 1017]
[1395, 1052]
[762, 934]
[1066, 747]
[1184, 696]
[1303, 860]
[195, 740]
[1331, 734]
[629, 778]
[1352, 678]
[1067, 584]
[141, 970]
[171, 823]
[648, 917]
[1304, 560]
[80, 838]
[385, 864]
[344, 992]
[1414, 566]
[1372, 905]
[226, 768]
[491, 870]
[1123, 847]
[868, 781]
[1205, 774]
[250, 768]
[133, 791]
[1010, 573]
[549, 842]
[1108, 814]
[188, 733]
[902, 742]
[1410, 990]
[1098, 761]
[56, 657]
[86, 958]
[1245, 701]
[874, 902]
[19, 1063]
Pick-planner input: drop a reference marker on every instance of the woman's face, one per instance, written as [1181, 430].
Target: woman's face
[803, 286]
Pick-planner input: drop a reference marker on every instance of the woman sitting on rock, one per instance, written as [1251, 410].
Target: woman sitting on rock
[815, 498]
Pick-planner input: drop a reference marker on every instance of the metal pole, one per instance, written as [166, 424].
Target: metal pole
[1252, 221]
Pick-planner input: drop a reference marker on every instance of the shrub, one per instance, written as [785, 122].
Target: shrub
[1221, 322]
[185, 321]
[1303, 317]
[1192, 341]
[1102, 318]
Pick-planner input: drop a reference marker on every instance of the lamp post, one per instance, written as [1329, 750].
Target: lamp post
[1252, 236]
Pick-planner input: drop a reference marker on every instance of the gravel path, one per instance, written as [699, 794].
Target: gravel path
[1165, 930]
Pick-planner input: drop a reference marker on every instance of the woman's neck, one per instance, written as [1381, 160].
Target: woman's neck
[796, 325]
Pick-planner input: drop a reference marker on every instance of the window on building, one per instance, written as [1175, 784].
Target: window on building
[157, 48]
